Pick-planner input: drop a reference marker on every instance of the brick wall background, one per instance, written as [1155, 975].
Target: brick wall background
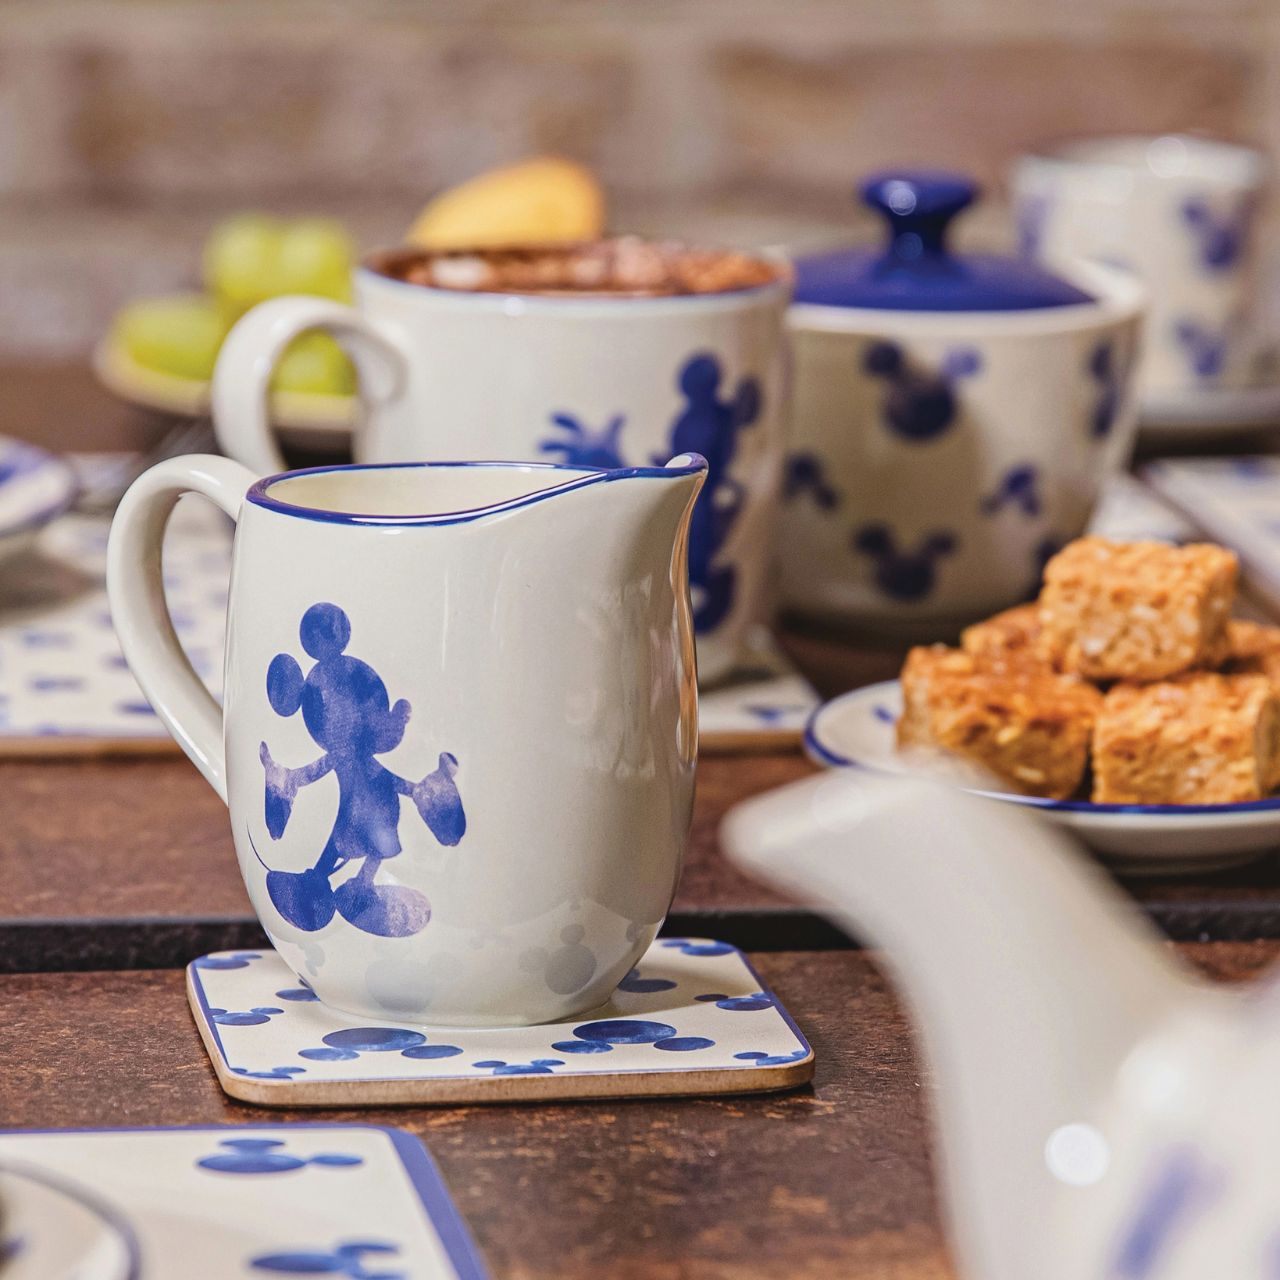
[128, 126]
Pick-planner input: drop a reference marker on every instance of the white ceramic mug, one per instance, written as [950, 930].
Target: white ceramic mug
[1179, 211]
[479, 816]
[940, 458]
[595, 380]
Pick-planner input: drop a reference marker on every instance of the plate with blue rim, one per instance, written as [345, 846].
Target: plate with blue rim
[35, 487]
[858, 731]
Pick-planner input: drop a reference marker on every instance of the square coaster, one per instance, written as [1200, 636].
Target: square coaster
[1234, 501]
[762, 705]
[65, 686]
[692, 1018]
[228, 1200]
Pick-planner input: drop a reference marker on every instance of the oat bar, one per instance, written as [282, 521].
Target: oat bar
[1196, 739]
[1029, 729]
[1135, 610]
[1008, 638]
[1253, 649]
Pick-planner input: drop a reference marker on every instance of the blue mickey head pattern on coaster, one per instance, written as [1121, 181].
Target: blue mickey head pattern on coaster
[65, 678]
[691, 1017]
[212, 1202]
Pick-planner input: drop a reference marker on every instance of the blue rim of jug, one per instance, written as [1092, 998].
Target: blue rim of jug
[823, 754]
[260, 497]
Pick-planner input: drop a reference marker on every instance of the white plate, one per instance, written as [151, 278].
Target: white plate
[35, 486]
[1211, 410]
[856, 730]
[306, 418]
[53, 1229]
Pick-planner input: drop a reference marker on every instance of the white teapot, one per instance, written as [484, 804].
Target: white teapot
[1103, 1113]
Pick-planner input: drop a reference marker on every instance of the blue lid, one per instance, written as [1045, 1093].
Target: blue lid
[915, 271]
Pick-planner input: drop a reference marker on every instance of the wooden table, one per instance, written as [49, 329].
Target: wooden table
[825, 1181]
[117, 872]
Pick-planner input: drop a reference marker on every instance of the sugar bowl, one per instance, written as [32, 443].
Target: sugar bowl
[953, 418]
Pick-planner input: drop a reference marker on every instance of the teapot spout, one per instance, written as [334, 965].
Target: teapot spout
[1028, 977]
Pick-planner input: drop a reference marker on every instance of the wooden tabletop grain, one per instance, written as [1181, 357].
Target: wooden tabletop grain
[833, 1179]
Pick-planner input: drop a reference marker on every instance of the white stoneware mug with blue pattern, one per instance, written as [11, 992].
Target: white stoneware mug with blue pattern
[952, 421]
[1179, 212]
[595, 377]
[459, 728]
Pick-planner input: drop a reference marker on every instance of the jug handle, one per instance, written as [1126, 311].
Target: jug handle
[135, 588]
[240, 392]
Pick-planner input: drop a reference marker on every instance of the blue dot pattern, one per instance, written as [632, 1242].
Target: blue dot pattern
[688, 948]
[244, 1017]
[738, 1004]
[639, 1025]
[348, 1044]
[346, 1258]
[638, 985]
[240, 960]
[268, 1155]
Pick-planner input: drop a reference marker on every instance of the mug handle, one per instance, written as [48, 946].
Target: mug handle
[242, 376]
[135, 588]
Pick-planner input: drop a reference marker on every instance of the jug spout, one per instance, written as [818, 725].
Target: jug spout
[1028, 977]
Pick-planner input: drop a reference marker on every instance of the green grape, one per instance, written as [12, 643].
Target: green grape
[240, 261]
[179, 335]
[315, 363]
[315, 256]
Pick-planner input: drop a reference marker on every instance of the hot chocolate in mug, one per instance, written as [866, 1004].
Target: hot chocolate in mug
[623, 353]
[459, 726]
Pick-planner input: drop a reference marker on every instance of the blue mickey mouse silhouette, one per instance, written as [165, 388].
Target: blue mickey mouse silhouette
[348, 712]
[268, 1155]
[347, 1258]
[1205, 349]
[1220, 238]
[806, 474]
[1017, 487]
[1105, 370]
[903, 574]
[582, 447]
[920, 405]
[710, 425]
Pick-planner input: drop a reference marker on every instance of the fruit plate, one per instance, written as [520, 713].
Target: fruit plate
[857, 731]
[35, 487]
[304, 417]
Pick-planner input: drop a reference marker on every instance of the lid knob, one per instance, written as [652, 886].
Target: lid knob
[918, 208]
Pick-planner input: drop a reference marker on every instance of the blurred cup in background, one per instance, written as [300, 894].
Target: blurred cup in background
[1178, 211]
